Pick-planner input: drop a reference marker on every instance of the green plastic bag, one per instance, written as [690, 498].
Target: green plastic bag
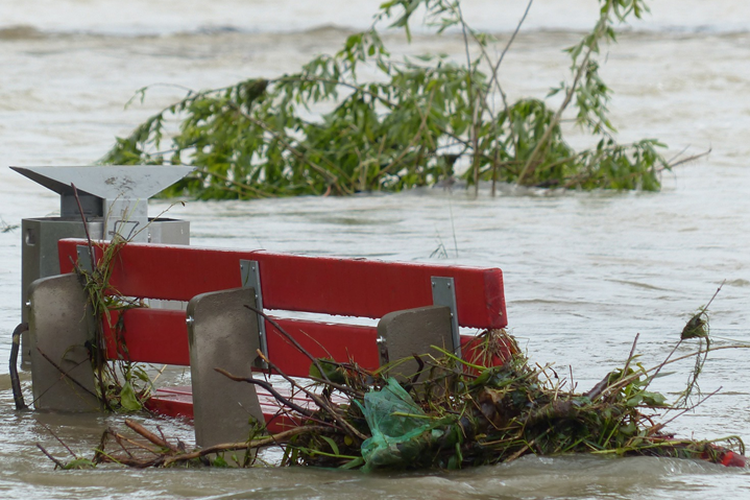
[400, 429]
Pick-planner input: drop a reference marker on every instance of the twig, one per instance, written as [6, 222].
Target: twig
[151, 436]
[100, 347]
[56, 461]
[705, 308]
[690, 408]
[690, 158]
[253, 443]
[554, 122]
[58, 439]
[527, 446]
[85, 227]
[291, 339]
[348, 428]
[418, 373]
[339, 387]
[99, 454]
[632, 353]
[269, 387]
[496, 67]
[496, 79]
[122, 439]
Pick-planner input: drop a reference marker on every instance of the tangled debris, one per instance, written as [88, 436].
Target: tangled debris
[451, 414]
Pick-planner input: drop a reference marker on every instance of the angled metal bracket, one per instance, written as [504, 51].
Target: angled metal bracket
[444, 294]
[250, 275]
[84, 257]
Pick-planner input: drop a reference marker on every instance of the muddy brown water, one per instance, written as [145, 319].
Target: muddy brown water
[584, 272]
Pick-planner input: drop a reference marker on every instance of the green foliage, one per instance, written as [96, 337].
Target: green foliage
[121, 384]
[414, 122]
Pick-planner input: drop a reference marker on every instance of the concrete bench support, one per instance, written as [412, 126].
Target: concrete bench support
[222, 333]
[60, 325]
[413, 331]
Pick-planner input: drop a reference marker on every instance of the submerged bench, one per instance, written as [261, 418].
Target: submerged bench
[418, 305]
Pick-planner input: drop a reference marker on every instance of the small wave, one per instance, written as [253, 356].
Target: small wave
[20, 32]
[217, 30]
[29, 32]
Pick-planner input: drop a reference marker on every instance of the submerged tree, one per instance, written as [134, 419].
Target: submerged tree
[417, 122]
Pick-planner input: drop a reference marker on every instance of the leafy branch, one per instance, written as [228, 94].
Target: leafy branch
[416, 122]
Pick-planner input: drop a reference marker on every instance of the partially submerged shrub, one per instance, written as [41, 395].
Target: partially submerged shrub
[417, 122]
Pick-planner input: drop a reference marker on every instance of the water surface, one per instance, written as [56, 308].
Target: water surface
[584, 272]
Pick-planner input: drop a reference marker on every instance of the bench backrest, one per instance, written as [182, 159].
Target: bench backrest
[345, 287]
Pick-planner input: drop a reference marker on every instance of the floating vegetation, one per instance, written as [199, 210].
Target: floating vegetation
[450, 414]
[398, 124]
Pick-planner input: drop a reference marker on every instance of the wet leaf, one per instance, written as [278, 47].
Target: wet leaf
[128, 400]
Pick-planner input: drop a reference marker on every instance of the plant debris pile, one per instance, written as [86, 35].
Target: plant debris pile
[464, 414]
[450, 414]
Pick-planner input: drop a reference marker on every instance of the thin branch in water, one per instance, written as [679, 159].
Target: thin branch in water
[269, 387]
[122, 439]
[56, 461]
[150, 436]
[252, 444]
[291, 339]
[510, 42]
[322, 403]
[54, 435]
[632, 353]
[592, 47]
[690, 408]
[688, 159]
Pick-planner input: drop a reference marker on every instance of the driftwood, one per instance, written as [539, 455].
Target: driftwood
[157, 451]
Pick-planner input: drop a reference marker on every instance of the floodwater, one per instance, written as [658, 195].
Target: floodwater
[585, 272]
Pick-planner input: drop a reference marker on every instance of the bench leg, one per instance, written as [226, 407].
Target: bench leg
[413, 331]
[223, 334]
[60, 325]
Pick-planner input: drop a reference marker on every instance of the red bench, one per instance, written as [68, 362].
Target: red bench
[212, 280]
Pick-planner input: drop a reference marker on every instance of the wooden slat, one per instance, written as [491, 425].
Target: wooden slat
[149, 335]
[346, 287]
[340, 342]
[160, 336]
